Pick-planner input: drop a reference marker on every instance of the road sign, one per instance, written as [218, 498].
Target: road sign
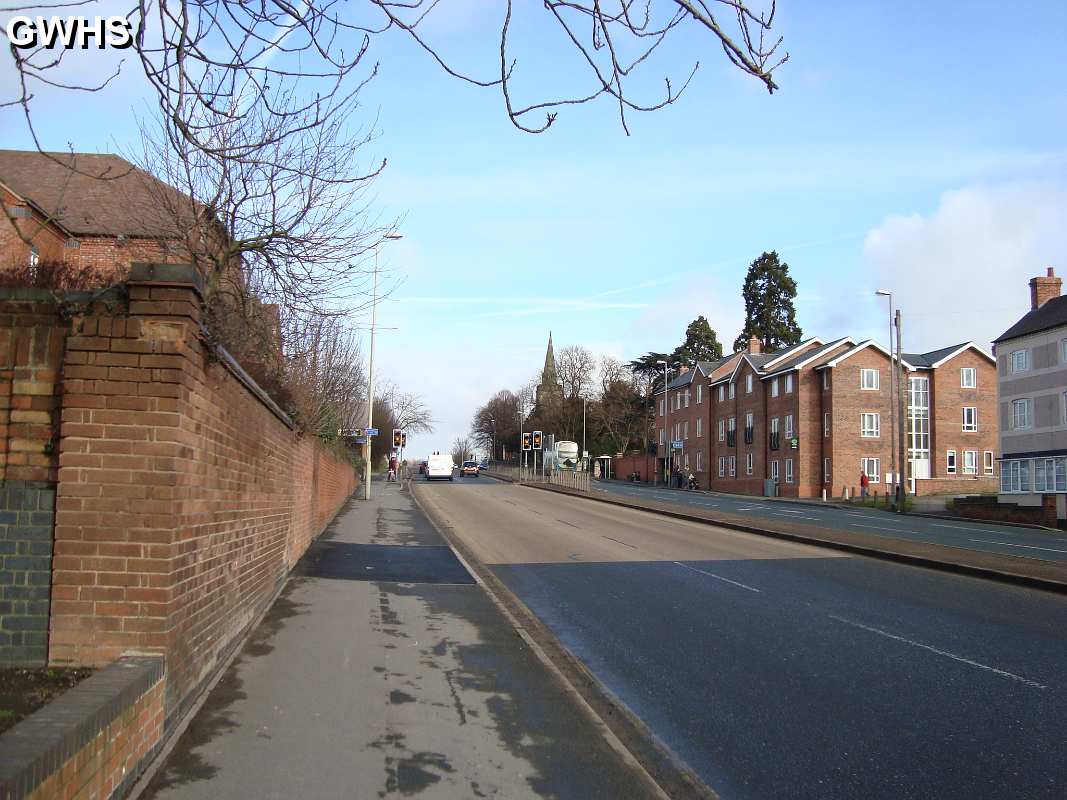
[361, 440]
[676, 444]
[526, 441]
[371, 432]
[350, 432]
[537, 440]
[794, 443]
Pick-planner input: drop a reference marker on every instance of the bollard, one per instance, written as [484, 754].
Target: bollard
[824, 495]
[845, 493]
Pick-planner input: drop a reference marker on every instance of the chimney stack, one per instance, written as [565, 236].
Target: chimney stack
[683, 369]
[1043, 289]
[753, 345]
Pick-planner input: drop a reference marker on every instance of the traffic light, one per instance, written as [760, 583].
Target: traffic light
[537, 440]
[403, 440]
[398, 437]
[526, 441]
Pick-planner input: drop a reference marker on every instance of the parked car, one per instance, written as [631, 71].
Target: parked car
[483, 466]
[470, 468]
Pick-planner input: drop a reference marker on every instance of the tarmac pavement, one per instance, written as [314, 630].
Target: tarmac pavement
[384, 670]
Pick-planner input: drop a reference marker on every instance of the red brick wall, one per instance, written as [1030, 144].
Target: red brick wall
[947, 400]
[102, 765]
[183, 499]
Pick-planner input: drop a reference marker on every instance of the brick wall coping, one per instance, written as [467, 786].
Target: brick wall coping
[43, 742]
[238, 372]
[167, 274]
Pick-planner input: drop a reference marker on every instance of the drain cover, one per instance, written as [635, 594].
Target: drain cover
[381, 562]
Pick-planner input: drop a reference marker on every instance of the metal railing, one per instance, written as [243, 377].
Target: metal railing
[562, 477]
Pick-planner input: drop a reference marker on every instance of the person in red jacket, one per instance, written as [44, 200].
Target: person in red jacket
[864, 483]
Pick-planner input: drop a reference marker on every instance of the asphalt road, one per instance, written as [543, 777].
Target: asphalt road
[779, 670]
[988, 537]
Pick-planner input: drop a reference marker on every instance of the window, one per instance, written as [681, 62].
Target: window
[774, 425]
[789, 470]
[788, 426]
[970, 462]
[868, 379]
[970, 419]
[1050, 474]
[677, 400]
[731, 432]
[826, 379]
[748, 383]
[748, 464]
[722, 466]
[826, 470]
[722, 430]
[870, 425]
[789, 383]
[662, 437]
[687, 398]
[1015, 476]
[774, 471]
[731, 425]
[950, 462]
[1063, 351]
[685, 429]
[733, 466]
[686, 462]
[733, 390]
[662, 406]
[774, 440]
[873, 468]
[700, 393]
[722, 393]
[700, 460]
[748, 419]
[700, 427]
[1019, 361]
[1020, 414]
[968, 378]
[748, 428]
[987, 462]
[774, 387]
[826, 425]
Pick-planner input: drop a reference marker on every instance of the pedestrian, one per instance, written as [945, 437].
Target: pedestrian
[864, 482]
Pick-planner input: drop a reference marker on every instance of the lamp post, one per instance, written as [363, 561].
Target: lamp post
[666, 437]
[896, 411]
[368, 450]
[581, 459]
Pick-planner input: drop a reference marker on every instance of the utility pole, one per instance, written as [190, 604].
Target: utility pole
[666, 433]
[892, 400]
[902, 387]
[582, 459]
[367, 449]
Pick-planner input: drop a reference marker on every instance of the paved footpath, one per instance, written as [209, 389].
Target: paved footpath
[383, 670]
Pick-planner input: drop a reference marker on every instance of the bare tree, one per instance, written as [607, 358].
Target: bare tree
[462, 450]
[409, 410]
[497, 423]
[575, 366]
[307, 61]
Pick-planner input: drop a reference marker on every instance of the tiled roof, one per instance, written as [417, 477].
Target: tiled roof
[1052, 314]
[807, 355]
[93, 193]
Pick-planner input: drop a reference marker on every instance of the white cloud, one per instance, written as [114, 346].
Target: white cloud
[961, 272]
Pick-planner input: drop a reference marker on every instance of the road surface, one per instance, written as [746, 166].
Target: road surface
[986, 537]
[780, 670]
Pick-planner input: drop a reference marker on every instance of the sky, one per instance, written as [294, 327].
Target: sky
[913, 146]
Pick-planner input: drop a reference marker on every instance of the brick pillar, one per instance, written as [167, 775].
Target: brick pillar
[1048, 510]
[118, 558]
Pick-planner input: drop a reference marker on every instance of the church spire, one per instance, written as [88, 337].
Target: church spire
[548, 375]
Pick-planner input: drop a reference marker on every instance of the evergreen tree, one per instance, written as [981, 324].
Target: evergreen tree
[701, 344]
[769, 312]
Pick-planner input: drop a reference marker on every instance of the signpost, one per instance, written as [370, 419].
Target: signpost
[676, 444]
[537, 446]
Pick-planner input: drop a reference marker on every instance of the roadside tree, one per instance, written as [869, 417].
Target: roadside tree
[769, 293]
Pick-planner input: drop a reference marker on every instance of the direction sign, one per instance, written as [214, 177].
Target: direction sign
[350, 432]
[676, 444]
[372, 432]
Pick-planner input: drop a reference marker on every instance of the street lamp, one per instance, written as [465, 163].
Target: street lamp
[897, 385]
[584, 404]
[666, 438]
[367, 449]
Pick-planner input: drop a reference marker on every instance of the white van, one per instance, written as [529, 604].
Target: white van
[439, 465]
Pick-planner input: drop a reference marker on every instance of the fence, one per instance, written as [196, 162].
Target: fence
[566, 478]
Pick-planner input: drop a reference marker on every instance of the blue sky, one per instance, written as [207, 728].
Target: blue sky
[912, 145]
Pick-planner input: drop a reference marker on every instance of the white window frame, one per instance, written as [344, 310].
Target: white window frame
[685, 429]
[749, 420]
[663, 405]
[662, 436]
[722, 466]
[748, 463]
[700, 393]
[722, 392]
[700, 427]
[826, 470]
[774, 425]
[722, 430]
[872, 466]
[1022, 421]
[733, 390]
[873, 430]
[826, 380]
[1015, 476]
[870, 380]
[774, 387]
[789, 426]
[827, 424]
[1063, 351]
[774, 470]
[1019, 361]
[968, 378]
[971, 425]
[970, 462]
[789, 383]
[731, 425]
[988, 461]
[731, 464]
[700, 460]
[789, 470]
[748, 383]
[950, 462]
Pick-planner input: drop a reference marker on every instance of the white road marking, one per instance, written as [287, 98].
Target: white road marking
[718, 577]
[1002, 673]
[872, 527]
[788, 511]
[1027, 546]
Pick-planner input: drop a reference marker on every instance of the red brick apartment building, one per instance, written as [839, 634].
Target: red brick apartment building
[816, 415]
[96, 213]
